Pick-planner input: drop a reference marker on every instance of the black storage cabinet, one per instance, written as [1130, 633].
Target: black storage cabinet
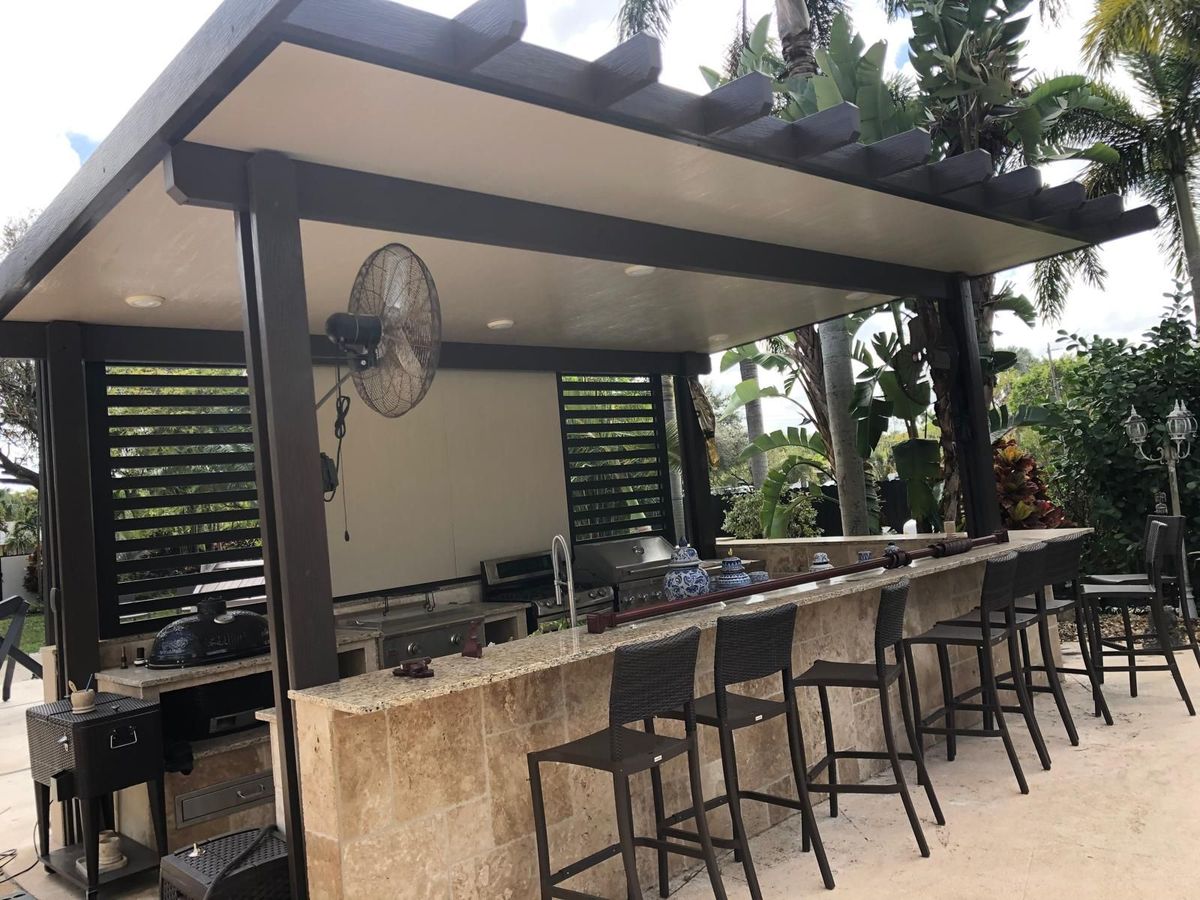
[87, 758]
[241, 865]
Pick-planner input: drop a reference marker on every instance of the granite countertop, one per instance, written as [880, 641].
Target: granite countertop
[381, 690]
[143, 678]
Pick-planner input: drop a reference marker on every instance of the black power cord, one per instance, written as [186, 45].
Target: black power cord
[342, 411]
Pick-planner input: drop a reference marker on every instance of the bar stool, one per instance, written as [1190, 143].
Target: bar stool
[995, 596]
[750, 646]
[1062, 570]
[880, 675]
[1150, 594]
[1029, 591]
[648, 679]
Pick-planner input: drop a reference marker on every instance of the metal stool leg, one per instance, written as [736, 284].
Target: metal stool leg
[1129, 646]
[1026, 661]
[1164, 642]
[915, 695]
[987, 711]
[810, 834]
[1060, 700]
[625, 835]
[827, 721]
[889, 739]
[1025, 700]
[729, 767]
[706, 845]
[914, 745]
[1084, 635]
[660, 813]
[1189, 625]
[948, 701]
[539, 826]
[989, 678]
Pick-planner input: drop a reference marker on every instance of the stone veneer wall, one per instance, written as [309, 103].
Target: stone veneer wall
[431, 800]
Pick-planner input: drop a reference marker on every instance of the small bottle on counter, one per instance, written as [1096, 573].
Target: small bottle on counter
[124, 659]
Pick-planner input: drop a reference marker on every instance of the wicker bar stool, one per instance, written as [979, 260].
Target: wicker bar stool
[1150, 594]
[648, 679]
[750, 646]
[1029, 589]
[1063, 556]
[995, 596]
[879, 675]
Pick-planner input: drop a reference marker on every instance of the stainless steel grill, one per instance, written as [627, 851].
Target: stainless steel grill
[634, 566]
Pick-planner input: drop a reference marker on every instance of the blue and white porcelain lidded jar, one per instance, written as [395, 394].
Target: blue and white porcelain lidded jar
[733, 573]
[685, 578]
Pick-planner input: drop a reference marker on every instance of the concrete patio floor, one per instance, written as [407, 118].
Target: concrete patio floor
[1116, 817]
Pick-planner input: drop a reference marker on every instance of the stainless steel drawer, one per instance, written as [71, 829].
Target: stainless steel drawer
[224, 798]
[434, 642]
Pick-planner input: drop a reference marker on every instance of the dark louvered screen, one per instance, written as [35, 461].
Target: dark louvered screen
[174, 494]
[615, 449]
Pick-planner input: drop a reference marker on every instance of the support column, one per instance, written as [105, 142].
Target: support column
[71, 526]
[697, 490]
[287, 453]
[972, 431]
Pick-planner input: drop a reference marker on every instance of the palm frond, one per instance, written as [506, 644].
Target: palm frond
[650, 16]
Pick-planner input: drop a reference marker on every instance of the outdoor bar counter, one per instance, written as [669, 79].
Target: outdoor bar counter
[419, 787]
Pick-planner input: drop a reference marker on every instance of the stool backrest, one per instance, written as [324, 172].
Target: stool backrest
[13, 606]
[1171, 540]
[652, 678]
[1062, 558]
[1031, 569]
[754, 645]
[1156, 553]
[998, 580]
[889, 620]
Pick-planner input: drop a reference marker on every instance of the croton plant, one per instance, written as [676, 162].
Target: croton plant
[1021, 490]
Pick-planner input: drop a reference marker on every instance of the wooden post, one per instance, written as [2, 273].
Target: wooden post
[697, 490]
[292, 514]
[972, 431]
[71, 528]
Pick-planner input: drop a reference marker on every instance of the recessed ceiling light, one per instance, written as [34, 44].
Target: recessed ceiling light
[640, 271]
[144, 301]
[718, 338]
[500, 324]
[856, 296]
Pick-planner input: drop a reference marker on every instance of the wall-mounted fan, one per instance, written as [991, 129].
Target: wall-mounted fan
[391, 336]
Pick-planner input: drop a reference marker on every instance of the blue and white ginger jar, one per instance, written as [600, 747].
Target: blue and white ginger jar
[733, 573]
[685, 578]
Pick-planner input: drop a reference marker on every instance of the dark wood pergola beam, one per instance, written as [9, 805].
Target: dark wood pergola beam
[186, 346]
[213, 177]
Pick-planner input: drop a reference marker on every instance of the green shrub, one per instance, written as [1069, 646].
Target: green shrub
[1099, 479]
[744, 518]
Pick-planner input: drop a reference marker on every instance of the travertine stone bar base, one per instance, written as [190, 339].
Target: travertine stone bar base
[429, 798]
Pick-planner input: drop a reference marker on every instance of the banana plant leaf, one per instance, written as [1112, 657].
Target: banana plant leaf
[918, 460]
[795, 439]
[1003, 421]
[775, 511]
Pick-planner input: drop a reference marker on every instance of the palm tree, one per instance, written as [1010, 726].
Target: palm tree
[1158, 27]
[1157, 156]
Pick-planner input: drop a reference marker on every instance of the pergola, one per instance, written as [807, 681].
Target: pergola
[291, 137]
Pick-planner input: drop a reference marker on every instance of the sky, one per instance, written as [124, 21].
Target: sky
[63, 88]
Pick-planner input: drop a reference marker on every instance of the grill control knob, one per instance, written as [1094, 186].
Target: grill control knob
[414, 649]
[455, 639]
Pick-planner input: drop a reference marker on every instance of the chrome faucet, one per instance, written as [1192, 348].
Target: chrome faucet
[560, 543]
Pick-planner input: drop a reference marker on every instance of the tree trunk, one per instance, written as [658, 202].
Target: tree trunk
[942, 378]
[678, 515]
[1191, 239]
[839, 381]
[754, 425]
[796, 38]
[807, 354]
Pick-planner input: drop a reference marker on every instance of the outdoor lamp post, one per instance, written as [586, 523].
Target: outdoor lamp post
[1181, 429]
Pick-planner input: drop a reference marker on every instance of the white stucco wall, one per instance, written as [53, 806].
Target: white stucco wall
[473, 472]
